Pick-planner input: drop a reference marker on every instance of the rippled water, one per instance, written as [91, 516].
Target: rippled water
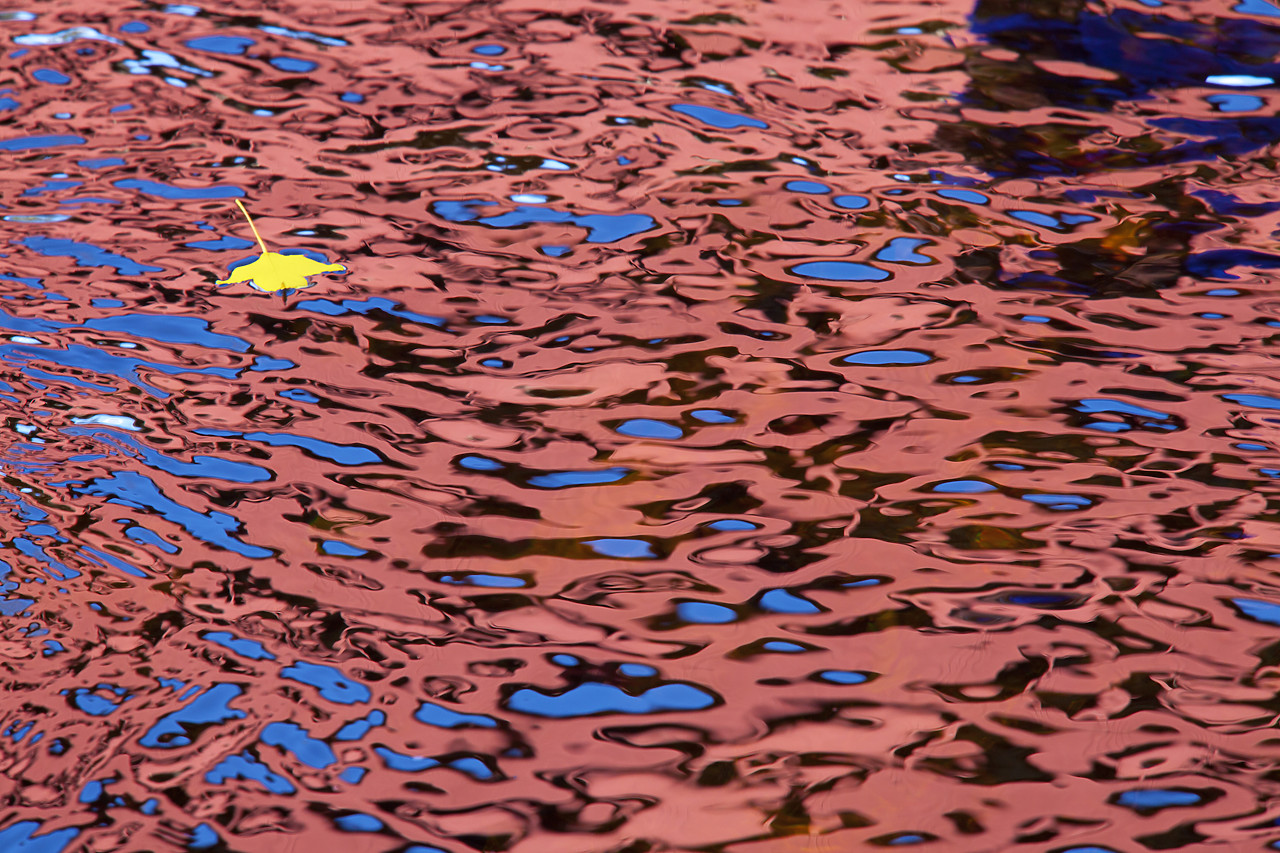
[746, 427]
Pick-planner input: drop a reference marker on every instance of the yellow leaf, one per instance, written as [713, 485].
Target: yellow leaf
[273, 272]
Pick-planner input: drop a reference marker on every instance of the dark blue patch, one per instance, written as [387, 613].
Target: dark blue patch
[356, 729]
[902, 250]
[446, 718]
[291, 737]
[627, 549]
[225, 45]
[713, 416]
[1157, 798]
[596, 698]
[136, 490]
[637, 670]
[842, 676]
[649, 428]
[964, 195]
[343, 454]
[87, 254]
[713, 117]
[358, 822]
[365, 306]
[783, 601]
[222, 244]
[245, 766]
[732, 524]
[486, 580]
[1258, 401]
[839, 271]
[203, 836]
[567, 479]
[851, 202]
[341, 549]
[479, 463]
[887, 357]
[208, 708]
[20, 837]
[294, 65]
[807, 187]
[51, 187]
[49, 75]
[169, 328]
[332, 684]
[404, 763]
[200, 466]
[965, 487]
[1059, 502]
[705, 613]
[601, 227]
[1262, 611]
[251, 649]
[169, 191]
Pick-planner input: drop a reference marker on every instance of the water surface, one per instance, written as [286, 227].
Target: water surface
[744, 427]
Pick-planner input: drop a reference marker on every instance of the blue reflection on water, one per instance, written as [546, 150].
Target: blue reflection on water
[567, 479]
[87, 254]
[887, 357]
[964, 195]
[332, 684]
[649, 428]
[1263, 611]
[207, 708]
[251, 649]
[404, 763]
[601, 227]
[713, 117]
[842, 676]
[967, 487]
[902, 250]
[296, 740]
[34, 143]
[1157, 798]
[342, 454]
[851, 202]
[732, 524]
[596, 698]
[20, 837]
[226, 45]
[158, 189]
[364, 306]
[132, 489]
[785, 601]
[245, 766]
[446, 718]
[293, 64]
[807, 187]
[358, 822]
[839, 271]
[357, 729]
[705, 613]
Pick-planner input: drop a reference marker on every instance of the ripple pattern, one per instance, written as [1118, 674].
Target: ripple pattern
[742, 427]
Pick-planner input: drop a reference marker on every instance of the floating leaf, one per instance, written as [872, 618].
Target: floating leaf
[273, 272]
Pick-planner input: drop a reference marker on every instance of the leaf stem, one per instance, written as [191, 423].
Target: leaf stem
[254, 228]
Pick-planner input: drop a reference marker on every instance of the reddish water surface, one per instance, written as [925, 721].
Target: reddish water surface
[744, 427]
